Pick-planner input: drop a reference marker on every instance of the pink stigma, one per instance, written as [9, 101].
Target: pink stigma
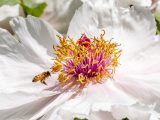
[84, 41]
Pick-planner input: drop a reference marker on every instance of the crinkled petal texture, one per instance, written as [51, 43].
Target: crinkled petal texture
[126, 3]
[133, 27]
[134, 92]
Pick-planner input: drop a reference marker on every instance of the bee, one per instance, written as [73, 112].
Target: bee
[41, 77]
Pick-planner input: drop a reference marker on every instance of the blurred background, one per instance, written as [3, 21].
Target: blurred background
[59, 12]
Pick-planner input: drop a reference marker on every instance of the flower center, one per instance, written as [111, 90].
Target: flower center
[89, 60]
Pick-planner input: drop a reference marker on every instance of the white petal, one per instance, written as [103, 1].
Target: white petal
[7, 12]
[94, 98]
[39, 1]
[158, 7]
[131, 112]
[85, 21]
[60, 12]
[35, 34]
[16, 63]
[21, 61]
[56, 101]
[23, 105]
[141, 73]
[146, 61]
[155, 116]
[144, 88]
[29, 105]
[134, 112]
[133, 27]
[126, 3]
[155, 6]
[137, 30]
[59, 114]
[15, 98]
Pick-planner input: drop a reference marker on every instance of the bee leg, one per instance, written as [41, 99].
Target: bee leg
[44, 82]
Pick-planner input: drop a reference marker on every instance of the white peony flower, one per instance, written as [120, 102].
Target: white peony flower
[133, 93]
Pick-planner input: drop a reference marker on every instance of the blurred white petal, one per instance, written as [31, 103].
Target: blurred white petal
[155, 6]
[7, 12]
[39, 1]
[59, 13]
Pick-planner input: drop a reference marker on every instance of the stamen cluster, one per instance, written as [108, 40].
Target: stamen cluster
[87, 60]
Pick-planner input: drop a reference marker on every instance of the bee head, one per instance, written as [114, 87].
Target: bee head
[48, 73]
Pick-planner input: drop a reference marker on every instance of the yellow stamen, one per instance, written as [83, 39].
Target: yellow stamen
[61, 78]
[56, 67]
[81, 78]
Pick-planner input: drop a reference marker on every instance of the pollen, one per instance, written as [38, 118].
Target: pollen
[86, 60]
